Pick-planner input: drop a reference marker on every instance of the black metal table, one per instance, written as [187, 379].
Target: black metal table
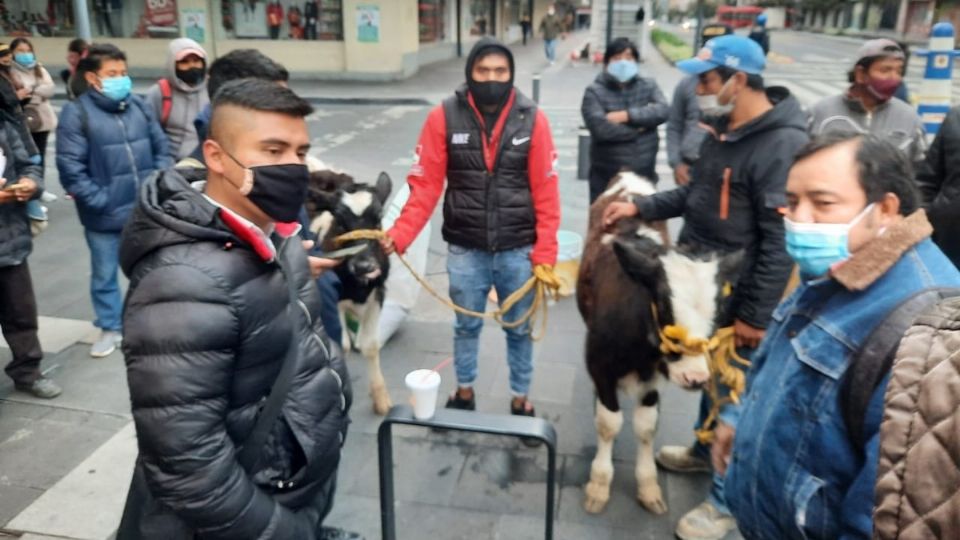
[520, 427]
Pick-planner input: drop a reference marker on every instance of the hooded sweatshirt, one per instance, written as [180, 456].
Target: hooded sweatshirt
[733, 202]
[187, 101]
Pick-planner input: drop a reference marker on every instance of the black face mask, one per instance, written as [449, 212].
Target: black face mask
[278, 190]
[192, 76]
[489, 93]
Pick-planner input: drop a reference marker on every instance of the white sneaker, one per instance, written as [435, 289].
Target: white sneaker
[48, 197]
[705, 522]
[106, 344]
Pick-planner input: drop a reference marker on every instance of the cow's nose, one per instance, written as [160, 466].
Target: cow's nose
[364, 266]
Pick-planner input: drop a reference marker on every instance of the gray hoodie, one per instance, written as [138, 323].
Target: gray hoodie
[188, 101]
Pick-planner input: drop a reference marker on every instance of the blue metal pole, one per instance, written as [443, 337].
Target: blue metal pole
[81, 15]
[933, 102]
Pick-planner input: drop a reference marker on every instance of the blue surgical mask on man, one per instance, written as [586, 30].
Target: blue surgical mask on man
[27, 59]
[623, 70]
[817, 247]
[116, 88]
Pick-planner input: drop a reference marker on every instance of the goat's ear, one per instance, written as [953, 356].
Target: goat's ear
[640, 259]
[383, 187]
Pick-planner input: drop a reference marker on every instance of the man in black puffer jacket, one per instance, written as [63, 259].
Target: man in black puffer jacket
[622, 111]
[209, 323]
[939, 183]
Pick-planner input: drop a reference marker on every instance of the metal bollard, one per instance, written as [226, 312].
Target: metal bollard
[583, 154]
[536, 89]
[933, 101]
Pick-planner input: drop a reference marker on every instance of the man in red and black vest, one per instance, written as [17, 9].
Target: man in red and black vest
[501, 210]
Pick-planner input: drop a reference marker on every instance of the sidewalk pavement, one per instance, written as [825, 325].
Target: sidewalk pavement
[65, 464]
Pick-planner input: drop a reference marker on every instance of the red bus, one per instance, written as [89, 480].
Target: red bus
[738, 17]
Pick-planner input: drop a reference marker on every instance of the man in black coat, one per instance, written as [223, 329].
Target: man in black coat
[22, 181]
[939, 183]
[622, 111]
[210, 323]
[732, 204]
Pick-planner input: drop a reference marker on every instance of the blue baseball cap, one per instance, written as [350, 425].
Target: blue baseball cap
[735, 52]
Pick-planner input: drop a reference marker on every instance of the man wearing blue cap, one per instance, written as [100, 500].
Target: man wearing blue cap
[732, 204]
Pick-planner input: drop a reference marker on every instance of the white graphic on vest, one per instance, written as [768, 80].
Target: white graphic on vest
[460, 138]
[518, 142]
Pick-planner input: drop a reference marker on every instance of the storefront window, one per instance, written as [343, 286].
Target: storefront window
[108, 18]
[479, 18]
[282, 19]
[432, 14]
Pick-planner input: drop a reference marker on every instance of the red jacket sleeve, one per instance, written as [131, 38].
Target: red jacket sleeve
[544, 187]
[426, 177]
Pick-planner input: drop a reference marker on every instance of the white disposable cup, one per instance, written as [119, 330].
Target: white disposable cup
[424, 384]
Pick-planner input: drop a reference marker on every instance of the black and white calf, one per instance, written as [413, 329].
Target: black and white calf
[623, 274]
[337, 205]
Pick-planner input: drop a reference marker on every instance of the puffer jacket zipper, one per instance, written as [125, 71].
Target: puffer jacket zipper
[126, 145]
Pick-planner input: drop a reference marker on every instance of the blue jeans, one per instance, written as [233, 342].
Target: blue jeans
[472, 273]
[716, 496]
[330, 289]
[550, 45]
[104, 288]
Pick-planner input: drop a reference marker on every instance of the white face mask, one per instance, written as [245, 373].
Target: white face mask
[710, 104]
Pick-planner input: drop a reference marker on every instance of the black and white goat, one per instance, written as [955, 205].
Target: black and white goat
[337, 205]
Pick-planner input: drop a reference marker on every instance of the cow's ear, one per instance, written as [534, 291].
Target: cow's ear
[640, 259]
[383, 187]
[323, 190]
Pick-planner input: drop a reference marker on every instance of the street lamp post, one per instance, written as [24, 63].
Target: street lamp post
[82, 17]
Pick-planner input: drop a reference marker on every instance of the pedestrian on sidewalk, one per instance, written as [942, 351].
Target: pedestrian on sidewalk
[38, 89]
[759, 33]
[179, 97]
[731, 204]
[12, 96]
[939, 183]
[526, 26]
[501, 210]
[551, 26]
[75, 84]
[868, 105]
[684, 134]
[240, 402]
[804, 452]
[108, 144]
[22, 182]
[622, 111]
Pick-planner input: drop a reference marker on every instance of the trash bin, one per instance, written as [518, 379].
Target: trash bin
[583, 154]
[568, 260]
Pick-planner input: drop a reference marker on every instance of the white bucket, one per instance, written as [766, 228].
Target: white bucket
[570, 247]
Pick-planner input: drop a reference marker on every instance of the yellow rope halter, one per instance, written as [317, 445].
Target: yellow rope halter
[720, 351]
[543, 282]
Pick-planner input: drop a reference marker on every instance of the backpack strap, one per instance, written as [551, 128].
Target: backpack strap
[167, 93]
[874, 359]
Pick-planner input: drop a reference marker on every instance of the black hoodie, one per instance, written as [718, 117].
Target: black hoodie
[485, 46]
[207, 325]
[734, 199]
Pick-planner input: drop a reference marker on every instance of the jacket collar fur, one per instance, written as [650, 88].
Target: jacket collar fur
[880, 254]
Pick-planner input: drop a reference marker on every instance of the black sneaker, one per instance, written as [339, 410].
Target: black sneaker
[42, 388]
[336, 533]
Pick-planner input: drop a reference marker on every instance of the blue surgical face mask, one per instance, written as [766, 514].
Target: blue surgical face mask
[27, 59]
[116, 88]
[623, 70]
[816, 247]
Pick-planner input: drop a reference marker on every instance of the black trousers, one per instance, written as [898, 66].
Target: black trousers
[18, 320]
[40, 139]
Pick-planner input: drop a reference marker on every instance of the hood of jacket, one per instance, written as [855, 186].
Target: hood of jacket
[176, 47]
[487, 45]
[169, 211]
[786, 113]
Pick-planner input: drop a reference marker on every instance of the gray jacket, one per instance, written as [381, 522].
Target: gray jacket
[684, 133]
[187, 102]
[15, 239]
[893, 119]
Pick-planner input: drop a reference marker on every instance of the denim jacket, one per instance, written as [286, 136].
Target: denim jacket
[795, 472]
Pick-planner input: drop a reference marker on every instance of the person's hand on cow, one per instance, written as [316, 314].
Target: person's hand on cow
[682, 174]
[722, 447]
[318, 265]
[616, 211]
[618, 117]
[389, 247]
[746, 335]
